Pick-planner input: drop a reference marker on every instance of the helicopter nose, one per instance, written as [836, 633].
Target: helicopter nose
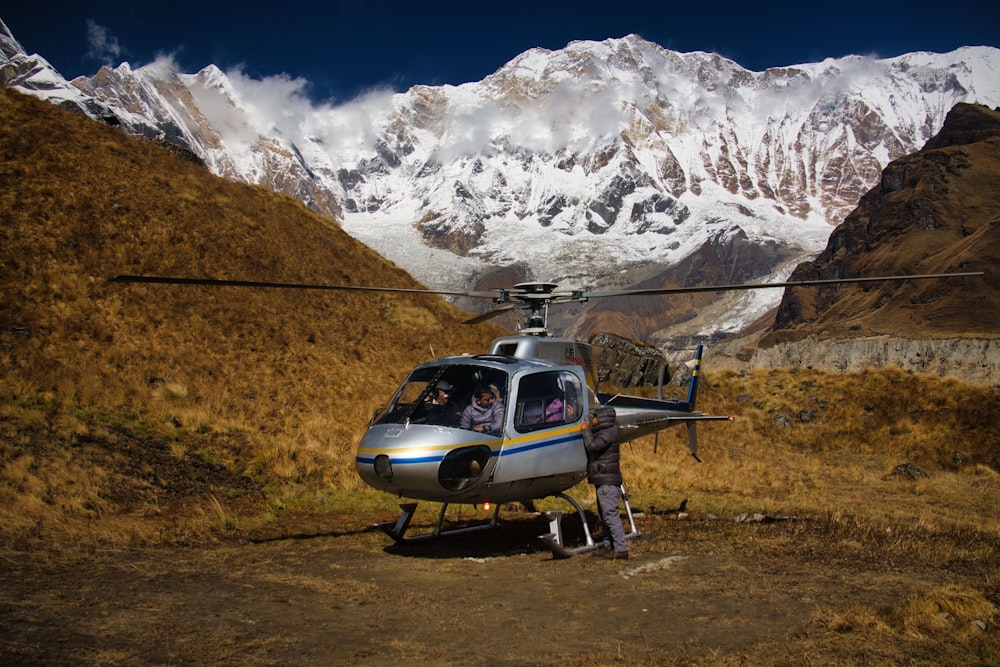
[415, 463]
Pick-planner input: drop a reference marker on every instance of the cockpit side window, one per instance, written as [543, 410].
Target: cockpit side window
[408, 397]
[547, 399]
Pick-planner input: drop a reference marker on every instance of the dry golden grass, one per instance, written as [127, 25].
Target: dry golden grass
[827, 445]
[278, 382]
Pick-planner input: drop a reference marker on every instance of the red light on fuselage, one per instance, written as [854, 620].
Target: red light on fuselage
[486, 507]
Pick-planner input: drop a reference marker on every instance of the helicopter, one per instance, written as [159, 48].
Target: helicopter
[421, 447]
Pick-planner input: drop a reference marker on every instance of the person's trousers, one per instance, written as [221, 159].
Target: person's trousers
[608, 498]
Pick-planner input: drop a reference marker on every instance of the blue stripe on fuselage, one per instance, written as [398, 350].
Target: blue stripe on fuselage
[508, 448]
[550, 442]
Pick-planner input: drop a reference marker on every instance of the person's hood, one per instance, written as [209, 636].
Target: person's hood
[605, 417]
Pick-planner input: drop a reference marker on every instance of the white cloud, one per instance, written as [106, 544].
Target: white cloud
[348, 132]
[572, 115]
[273, 103]
[575, 115]
[103, 46]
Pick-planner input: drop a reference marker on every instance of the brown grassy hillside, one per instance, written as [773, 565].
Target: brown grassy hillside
[282, 382]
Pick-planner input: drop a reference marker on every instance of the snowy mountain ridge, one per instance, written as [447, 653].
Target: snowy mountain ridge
[601, 164]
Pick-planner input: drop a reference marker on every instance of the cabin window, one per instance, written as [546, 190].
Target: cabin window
[509, 349]
[547, 399]
[459, 396]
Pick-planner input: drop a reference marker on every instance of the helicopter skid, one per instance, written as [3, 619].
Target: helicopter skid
[554, 538]
[560, 551]
[398, 530]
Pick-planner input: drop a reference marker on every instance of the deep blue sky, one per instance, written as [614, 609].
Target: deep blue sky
[348, 46]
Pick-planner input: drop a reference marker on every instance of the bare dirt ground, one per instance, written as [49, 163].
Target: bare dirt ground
[330, 590]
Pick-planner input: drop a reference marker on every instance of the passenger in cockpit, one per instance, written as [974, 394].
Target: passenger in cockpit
[554, 410]
[484, 413]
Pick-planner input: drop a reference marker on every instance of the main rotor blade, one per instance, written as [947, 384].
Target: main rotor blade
[506, 296]
[212, 282]
[491, 314]
[794, 283]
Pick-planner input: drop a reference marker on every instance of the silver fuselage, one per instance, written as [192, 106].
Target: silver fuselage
[420, 449]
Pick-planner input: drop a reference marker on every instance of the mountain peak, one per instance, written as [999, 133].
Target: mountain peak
[9, 47]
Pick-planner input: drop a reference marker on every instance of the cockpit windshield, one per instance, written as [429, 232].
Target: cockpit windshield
[459, 396]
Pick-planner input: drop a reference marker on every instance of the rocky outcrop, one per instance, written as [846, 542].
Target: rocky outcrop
[626, 363]
[937, 210]
[974, 360]
[179, 151]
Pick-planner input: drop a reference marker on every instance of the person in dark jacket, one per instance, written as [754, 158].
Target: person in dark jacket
[441, 410]
[601, 438]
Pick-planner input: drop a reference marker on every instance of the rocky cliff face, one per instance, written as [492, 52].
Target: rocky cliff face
[627, 363]
[974, 360]
[937, 210]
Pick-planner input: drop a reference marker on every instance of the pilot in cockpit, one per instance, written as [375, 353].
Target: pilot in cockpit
[441, 410]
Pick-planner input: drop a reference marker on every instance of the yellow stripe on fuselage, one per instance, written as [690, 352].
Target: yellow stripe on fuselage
[426, 450]
[423, 451]
[539, 435]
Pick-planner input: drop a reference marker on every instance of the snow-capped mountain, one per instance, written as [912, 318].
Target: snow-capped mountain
[602, 164]
[202, 112]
